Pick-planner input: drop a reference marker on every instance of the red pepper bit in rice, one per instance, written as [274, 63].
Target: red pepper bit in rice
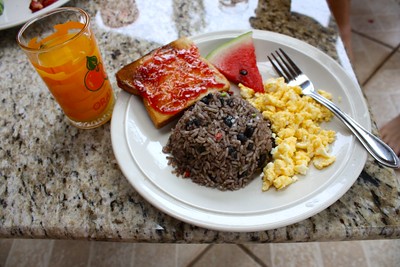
[218, 136]
[186, 174]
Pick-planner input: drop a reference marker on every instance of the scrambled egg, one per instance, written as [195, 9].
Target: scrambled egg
[298, 137]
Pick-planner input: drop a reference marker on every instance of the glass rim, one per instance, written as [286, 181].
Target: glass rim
[54, 11]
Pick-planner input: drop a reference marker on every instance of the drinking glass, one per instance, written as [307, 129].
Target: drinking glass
[63, 50]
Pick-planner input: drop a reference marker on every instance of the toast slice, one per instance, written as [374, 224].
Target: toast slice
[170, 79]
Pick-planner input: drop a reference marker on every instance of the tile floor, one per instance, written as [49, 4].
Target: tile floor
[376, 42]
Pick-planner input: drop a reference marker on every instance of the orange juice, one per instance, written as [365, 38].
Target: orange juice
[69, 62]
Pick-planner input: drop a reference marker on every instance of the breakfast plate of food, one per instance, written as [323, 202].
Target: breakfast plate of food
[211, 163]
[17, 12]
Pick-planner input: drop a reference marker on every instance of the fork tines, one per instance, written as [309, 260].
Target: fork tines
[284, 65]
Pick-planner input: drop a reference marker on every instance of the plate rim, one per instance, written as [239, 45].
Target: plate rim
[14, 23]
[179, 210]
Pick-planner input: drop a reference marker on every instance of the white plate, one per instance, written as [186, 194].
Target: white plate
[137, 145]
[17, 12]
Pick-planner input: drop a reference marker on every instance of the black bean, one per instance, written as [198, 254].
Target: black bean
[243, 174]
[230, 102]
[222, 100]
[201, 149]
[193, 123]
[232, 152]
[229, 120]
[242, 138]
[212, 178]
[250, 146]
[249, 131]
[206, 99]
[261, 160]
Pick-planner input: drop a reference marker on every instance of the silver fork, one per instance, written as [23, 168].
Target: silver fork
[292, 74]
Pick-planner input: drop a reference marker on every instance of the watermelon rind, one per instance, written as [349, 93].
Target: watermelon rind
[225, 48]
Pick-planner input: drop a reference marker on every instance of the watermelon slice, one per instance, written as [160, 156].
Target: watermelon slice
[236, 59]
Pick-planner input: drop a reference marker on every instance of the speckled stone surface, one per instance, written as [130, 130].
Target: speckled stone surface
[60, 182]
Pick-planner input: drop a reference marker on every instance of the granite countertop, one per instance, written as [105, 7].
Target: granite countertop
[57, 181]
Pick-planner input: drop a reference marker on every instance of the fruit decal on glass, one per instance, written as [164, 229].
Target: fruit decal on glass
[95, 76]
